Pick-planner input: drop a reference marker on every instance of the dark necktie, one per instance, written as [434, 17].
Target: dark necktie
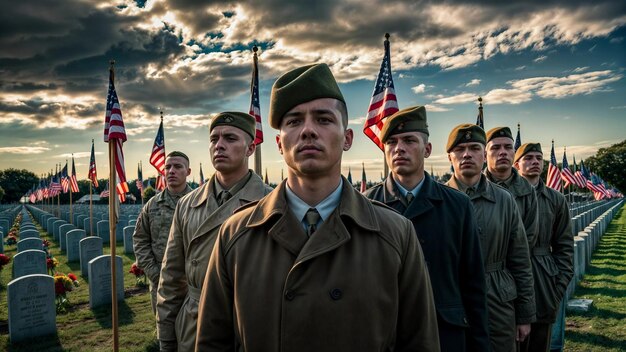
[223, 197]
[311, 217]
[470, 191]
[409, 197]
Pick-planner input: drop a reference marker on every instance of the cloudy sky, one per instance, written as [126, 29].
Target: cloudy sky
[555, 67]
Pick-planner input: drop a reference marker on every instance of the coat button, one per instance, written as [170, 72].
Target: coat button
[335, 294]
[465, 320]
[194, 262]
[290, 295]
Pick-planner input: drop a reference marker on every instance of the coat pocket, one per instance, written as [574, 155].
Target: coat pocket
[505, 286]
[453, 315]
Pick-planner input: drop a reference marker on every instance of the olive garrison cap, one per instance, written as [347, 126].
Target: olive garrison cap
[527, 148]
[411, 119]
[465, 133]
[180, 154]
[499, 132]
[300, 86]
[241, 120]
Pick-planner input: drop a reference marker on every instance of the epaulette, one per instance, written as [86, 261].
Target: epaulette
[381, 204]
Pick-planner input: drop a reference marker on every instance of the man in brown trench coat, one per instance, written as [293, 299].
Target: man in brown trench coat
[445, 224]
[510, 293]
[553, 254]
[197, 219]
[315, 266]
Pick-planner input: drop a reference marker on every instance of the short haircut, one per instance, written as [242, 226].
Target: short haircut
[180, 154]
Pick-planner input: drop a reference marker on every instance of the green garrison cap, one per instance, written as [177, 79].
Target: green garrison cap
[465, 133]
[241, 120]
[300, 86]
[411, 119]
[180, 154]
[526, 148]
[499, 132]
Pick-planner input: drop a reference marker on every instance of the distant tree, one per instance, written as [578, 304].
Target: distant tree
[148, 193]
[610, 164]
[445, 177]
[1, 193]
[16, 183]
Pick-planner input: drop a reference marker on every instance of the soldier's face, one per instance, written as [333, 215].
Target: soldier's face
[530, 165]
[405, 153]
[312, 138]
[230, 148]
[467, 159]
[500, 154]
[176, 171]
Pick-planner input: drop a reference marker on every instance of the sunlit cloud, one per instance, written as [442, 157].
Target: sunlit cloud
[24, 150]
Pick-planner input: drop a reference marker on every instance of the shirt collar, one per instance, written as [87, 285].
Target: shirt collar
[325, 207]
[415, 190]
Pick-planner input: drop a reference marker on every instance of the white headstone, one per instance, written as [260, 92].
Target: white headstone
[28, 234]
[55, 228]
[29, 243]
[128, 239]
[30, 261]
[100, 280]
[63, 230]
[103, 230]
[73, 238]
[32, 309]
[88, 248]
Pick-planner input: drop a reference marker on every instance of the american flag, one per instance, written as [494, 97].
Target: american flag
[114, 130]
[55, 185]
[255, 107]
[139, 181]
[32, 197]
[554, 174]
[65, 180]
[480, 121]
[73, 181]
[349, 177]
[157, 158]
[580, 175]
[518, 139]
[363, 179]
[580, 181]
[93, 174]
[201, 175]
[105, 193]
[566, 174]
[383, 102]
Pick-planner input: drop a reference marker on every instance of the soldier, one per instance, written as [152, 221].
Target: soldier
[197, 220]
[315, 266]
[510, 294]
[444, 221]
[552, 255]
[153, 224]
[500, 153]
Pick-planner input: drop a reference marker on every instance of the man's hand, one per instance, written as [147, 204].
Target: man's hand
[522, 332]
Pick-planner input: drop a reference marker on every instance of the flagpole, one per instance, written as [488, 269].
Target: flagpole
[258, 167]
[112, 226]
[141, 190]
[385, 166]
[71, 215]
[90, 208]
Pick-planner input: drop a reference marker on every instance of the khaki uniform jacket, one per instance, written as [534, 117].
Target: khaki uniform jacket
[526, 200]
[197, 220]
[151, 233]
[508, 275]
[358, 284]
[445, 224]
[553, 255]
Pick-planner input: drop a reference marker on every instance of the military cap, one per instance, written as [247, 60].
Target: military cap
[527, 148]
[300, 86]
[241, 120]
[180, 154]
[465, 133]
[411, 119]
[499, 132]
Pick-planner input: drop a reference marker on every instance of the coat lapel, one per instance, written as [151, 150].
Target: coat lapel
[423, 202]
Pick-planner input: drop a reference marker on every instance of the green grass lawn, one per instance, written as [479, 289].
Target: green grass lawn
[83, 329]
[603, 328]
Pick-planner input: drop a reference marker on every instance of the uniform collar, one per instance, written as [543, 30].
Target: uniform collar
[324, 208]
[484, 188]
[206, 192]
[518, 185]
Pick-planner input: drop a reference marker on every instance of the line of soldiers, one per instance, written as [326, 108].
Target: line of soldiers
[478, 264]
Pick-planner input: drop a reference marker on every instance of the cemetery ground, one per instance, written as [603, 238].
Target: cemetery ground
[602, 328]
[81, 328]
